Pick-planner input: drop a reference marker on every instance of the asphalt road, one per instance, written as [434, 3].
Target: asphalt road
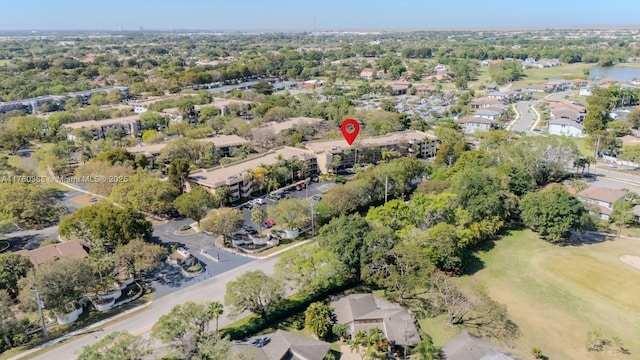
[615, 179]
[527, 116]
[141, 322]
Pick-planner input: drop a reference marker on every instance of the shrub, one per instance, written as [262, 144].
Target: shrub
[185, 227]
[195, 268]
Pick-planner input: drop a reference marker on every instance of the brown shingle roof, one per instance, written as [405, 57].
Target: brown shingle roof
[602, 194]
[72, 249]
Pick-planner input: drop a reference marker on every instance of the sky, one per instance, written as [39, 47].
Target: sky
[238, 15]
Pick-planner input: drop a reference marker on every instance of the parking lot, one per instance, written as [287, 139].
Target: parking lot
[311, 190]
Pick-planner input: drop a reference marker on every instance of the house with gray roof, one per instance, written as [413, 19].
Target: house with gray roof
[566, 127]
[283, 345]
[365, 311]
[466, 346]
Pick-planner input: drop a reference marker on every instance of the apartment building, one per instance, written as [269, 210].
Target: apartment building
[129, 125]
[226, 144]
[371, 149]
[238, 176]
[31, 105]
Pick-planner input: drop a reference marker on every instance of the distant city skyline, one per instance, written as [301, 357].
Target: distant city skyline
[282, 15]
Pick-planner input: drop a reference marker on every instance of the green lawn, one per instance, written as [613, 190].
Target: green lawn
[557, 294]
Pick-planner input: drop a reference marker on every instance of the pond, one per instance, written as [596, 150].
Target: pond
[619, 73]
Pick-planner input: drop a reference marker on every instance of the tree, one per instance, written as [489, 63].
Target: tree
[178, 173]
[61, 284]
[216, 310]
[106, 224]
[30, 205]
[257, 216]
[319, 319]
[196, 203]
[343, 236]
[144, 192]
[119, 345]
[310, 268]
[13, 267]
[623, 215]
[152, 119]
[223, 221]
[185, 328]
[553, 213]
[263, 87]
[425, 350]
[140, 256]
[8, 317]
[253, 291]
[633, 117]
[117, 156]
[631, 153]
[291, 213]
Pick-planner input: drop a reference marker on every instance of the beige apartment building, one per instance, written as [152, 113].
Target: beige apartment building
[368, 150]
[237, 176]
[129, 125]
[226, 144]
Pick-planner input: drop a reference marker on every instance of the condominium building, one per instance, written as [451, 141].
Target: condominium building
[238, 176]
[129, 125]
[372, 149]
[226, 144]
[31, 105]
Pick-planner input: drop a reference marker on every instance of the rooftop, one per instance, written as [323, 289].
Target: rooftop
[602, 194]
[219, 141]
[218, 176]
[277, 127]
[71, 249]
[285, 345]
[466, 346]
[339, 145]
[97, 123]
[566, 122]
[474, 120]
[485, 101]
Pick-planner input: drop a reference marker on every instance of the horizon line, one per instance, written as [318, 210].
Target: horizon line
[363, 29]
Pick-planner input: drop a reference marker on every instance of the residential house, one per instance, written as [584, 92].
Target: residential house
[281, 345]
[239, 178]
[364, 311]
[629, 140]
[498, 95]
[558, 85]
[483, 102]
[225, 144]
[466, 346]
[565, 127]
[487, 113]
[535, 88]
[585, 91]
[493, 86]
[636, 212]
[367, 74]
[471, 124]
[371, 149]
[602, 199]
[579, 83]
[68, 249]
[129, 125]
[440, 69]
[567, 110]
[310, 84]
[426, 89]
[400, 87]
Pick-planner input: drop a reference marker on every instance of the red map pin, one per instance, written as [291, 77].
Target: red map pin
[350, 129]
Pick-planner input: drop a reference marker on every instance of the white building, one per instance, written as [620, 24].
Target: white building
[565, 127]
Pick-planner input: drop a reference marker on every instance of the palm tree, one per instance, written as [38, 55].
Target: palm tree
[216, 309]
[319, 318]
[257, 216]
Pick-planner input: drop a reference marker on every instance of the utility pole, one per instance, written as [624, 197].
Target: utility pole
[313, 225]
[44, 322]
[595, 155]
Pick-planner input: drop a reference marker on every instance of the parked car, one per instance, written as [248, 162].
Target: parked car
[316, 197]
[269, 223]
[249, 229]
[301, 186]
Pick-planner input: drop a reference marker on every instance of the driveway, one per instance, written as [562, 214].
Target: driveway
[167, 279]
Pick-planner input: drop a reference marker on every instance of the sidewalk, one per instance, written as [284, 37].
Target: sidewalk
[80, 331]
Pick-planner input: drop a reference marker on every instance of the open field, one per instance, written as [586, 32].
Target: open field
[539, 76]
[557, 294]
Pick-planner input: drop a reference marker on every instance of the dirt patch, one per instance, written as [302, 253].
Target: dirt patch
[85, 200]
[631, 260]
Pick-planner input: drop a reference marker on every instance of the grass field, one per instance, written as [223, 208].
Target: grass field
[538, 76]
[557, 294]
